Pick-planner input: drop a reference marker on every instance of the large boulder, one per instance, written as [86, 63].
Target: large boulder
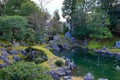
[16, 58]
[6, 60]
[4, 52]
[117, 44]
[13, 52]
[60, 72]
[53, 45]
[3, 65]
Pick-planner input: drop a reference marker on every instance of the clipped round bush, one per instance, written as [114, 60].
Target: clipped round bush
[38, 60]
[24, 71]
[59, 63]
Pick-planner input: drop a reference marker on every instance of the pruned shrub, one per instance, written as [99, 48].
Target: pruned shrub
[24, 71]
[59, 63]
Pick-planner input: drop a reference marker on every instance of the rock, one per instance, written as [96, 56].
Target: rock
[117, 44]
[3, 65]
[68, 35]
[16, 58]
[24, 52]
[57, 37]
[6, 60]
[60, 72]
[53, 75]
[98, 51]
[88, 76]
[33, 53]
[85, 43]
[66, 45]
[17, 44]
[111, 54]
[13, 52]
[51, 38]
[56, 77]
[117, 56]
[72, 65]
[73, 51]
[68, 73]
[53, 45]
[67, 78]
[117, 68]
[2, 57]
[72, 39]
[60, 47]
[104, 48]
[4, 52]
[102, 79]
[67, 62]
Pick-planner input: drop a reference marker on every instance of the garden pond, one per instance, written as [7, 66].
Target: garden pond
[100, 65]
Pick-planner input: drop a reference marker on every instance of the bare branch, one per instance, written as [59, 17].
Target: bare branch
[43, 3]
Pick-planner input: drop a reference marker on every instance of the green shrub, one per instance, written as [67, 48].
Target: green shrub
[59, 63]
[24, 71]
[38, 60]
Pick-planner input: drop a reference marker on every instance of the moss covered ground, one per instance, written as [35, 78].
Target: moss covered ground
[109, 43]
[51, 57]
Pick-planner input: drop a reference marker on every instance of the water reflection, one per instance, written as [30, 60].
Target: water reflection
[101, 65]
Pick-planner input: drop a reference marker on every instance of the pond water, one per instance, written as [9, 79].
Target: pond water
[101, 66]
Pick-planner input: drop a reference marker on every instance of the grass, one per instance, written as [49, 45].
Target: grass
[109, 43]
[51, 57]
[45, 64]
[5, 42]
[48, 53]
[1, 61]
[19, 48]
[115, 50]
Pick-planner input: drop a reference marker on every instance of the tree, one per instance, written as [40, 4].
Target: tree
[68, 10]
[87, 18]
[24, 71]
[12, 27]
[56, 16]
[80, 25]
[18, 7]
[43, 3]
[28, 8]
[37, 21]
[29, 36]
[55, 21]
[112, 8]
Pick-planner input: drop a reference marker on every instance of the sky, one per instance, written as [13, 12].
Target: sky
[52, 6]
